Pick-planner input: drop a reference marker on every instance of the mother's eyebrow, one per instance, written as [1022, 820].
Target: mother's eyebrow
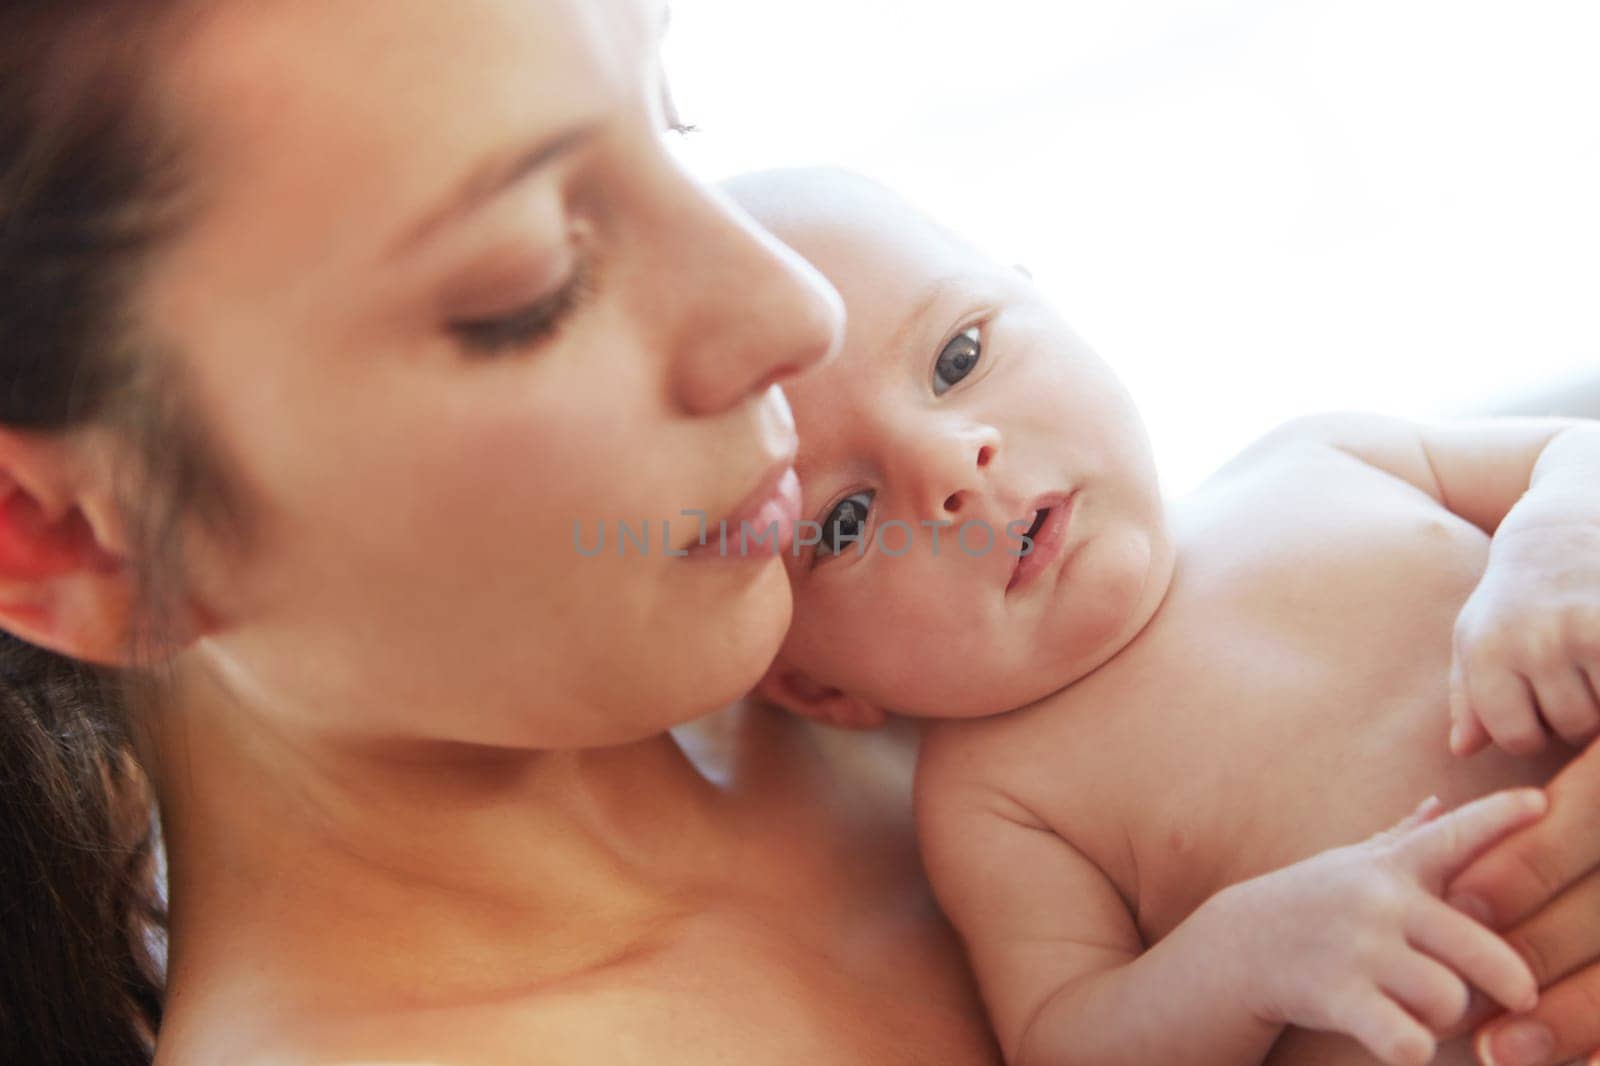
[487, 179]
[502, 171]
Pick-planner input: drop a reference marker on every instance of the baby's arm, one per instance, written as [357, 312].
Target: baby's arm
[1478, 468]
[1527, 644]
[1348, 941]
[1062, 969]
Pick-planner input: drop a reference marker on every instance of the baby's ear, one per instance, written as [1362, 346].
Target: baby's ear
[796, 692]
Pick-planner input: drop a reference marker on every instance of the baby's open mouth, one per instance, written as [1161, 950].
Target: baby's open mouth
[1043, 540]
[1038, 522]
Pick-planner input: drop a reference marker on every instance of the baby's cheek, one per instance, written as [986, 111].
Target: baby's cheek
[827, 631]
[1109, 578]
[840, 636]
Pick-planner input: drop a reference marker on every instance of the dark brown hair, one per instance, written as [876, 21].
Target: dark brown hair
[89, 190]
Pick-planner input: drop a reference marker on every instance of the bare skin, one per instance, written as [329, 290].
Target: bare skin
[1182, 765]
[443, 292]
[1172, 850]
[773, 910]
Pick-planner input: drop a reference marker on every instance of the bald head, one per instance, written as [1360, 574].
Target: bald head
[804, 204]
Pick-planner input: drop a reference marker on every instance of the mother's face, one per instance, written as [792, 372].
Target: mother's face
[447, 294]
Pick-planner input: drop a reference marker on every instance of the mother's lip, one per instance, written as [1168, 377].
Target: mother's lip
[774, 499]
[1048, 542]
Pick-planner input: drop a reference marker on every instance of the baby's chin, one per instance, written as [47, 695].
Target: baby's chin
[979, 696]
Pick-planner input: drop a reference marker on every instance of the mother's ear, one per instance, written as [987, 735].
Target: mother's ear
[66, 583]
[797, 692]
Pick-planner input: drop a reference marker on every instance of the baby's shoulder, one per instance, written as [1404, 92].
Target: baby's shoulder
[1067, 766]
[1297, 491]
[1364, 448]
[1024, 754]
[1304, 441]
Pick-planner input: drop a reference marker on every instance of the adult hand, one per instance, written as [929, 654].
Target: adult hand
[1541, 887]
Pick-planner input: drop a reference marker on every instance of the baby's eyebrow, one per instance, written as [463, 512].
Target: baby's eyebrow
[929, 299]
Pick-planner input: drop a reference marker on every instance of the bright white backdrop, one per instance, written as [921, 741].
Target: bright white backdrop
[1252, 208]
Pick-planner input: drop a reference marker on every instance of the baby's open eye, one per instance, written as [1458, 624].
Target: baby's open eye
[845, 524]
[957, 360]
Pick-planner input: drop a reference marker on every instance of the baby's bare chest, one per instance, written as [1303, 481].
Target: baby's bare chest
[1290, 696]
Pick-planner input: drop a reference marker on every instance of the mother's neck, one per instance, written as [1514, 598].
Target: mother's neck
[309, 848]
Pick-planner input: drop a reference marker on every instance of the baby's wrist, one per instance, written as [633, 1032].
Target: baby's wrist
[1551, 505]
[1232, 918]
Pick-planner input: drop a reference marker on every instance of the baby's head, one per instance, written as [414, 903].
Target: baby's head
[960, 396]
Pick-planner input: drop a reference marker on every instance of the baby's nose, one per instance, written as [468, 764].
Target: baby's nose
[966, 472]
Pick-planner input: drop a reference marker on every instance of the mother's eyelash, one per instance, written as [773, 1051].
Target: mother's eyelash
[531, 325]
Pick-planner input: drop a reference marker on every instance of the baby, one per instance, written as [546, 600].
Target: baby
[1169, 850]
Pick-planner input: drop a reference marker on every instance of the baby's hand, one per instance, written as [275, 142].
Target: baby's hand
[1527, 642]
[1356, 940]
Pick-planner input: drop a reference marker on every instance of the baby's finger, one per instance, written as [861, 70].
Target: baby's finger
[1480, 1008]
[1425, 812]
[1386, 1030]
[1568, 705]
[1437, 850]
[1503, 702]
[1427, 988]
[1472, 951]
[1467, 735]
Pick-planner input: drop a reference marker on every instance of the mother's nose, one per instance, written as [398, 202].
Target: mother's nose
[749, 311]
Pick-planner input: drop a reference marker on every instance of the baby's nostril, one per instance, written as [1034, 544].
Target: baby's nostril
[952, 502]
[985, 454]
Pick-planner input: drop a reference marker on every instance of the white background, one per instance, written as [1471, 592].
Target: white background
[1252, 209]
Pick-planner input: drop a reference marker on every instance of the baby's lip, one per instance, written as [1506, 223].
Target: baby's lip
[1048, 519]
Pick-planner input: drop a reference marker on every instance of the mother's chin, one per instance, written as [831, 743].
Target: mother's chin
[706, 636]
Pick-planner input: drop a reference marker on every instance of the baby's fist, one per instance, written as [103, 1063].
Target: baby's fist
[1526, 657]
